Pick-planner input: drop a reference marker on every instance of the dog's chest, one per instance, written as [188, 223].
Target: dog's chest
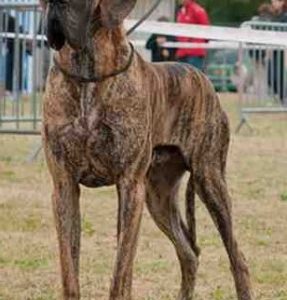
[96, 135]
[99, 147]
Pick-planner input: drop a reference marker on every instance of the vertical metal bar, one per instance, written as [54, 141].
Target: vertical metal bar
[24, 52]
[277, 74]
[241, 79]
[252, 96]
[224, 72]
[42, 55]
[260, 66]
[45, 59]
[24, 61]
[2, 67]
[281, 71]
[272, 72]
[34, 84]
[16, 67]
[6, 19]
[284, 79]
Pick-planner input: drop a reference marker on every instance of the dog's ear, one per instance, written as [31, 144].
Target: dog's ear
[113, 12]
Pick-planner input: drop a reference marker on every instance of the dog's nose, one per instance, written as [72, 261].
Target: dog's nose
[55, 34]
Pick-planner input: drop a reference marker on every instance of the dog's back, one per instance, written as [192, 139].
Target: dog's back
[186, 111]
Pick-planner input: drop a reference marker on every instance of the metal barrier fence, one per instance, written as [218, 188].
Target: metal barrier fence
[24, 63]
[259, 75]
[263, 68]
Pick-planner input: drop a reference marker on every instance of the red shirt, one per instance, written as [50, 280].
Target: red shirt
[192, 13]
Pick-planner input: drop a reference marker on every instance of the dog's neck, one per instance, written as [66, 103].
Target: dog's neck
[106, 52]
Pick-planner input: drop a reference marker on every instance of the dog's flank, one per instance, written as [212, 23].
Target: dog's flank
[141, 130]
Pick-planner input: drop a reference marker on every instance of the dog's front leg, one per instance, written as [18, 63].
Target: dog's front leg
[68, 224]
[131, 198]
[67, 218]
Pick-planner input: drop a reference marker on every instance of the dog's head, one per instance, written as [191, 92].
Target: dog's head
[73, 20]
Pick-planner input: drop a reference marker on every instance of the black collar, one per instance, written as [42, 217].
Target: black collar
[99, 78]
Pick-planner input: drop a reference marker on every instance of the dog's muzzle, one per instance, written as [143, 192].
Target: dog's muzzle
[55, 32]
[67, 21]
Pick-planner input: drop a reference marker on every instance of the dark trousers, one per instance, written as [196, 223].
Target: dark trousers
[276, 77]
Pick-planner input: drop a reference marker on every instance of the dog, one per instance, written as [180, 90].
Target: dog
[111, 118]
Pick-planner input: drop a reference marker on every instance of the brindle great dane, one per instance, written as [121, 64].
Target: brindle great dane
[112, 118]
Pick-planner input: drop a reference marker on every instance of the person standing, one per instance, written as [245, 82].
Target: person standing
[11, 51]
[192, 13]
[155, 44]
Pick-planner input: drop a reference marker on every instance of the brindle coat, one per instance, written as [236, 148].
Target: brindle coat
[140, 130]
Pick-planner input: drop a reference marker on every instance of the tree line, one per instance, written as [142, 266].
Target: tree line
[231, 12]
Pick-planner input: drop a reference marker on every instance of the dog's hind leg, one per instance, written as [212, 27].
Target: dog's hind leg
[131, 194]
[68, 224]
[210, 185]
[162, 188]
[212, 189]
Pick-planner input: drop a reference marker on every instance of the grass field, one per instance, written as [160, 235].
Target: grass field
[257, 176]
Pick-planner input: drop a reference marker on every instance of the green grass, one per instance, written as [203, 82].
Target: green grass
[257, 180]
[87, 227]
[284, 196]
[218, 294]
